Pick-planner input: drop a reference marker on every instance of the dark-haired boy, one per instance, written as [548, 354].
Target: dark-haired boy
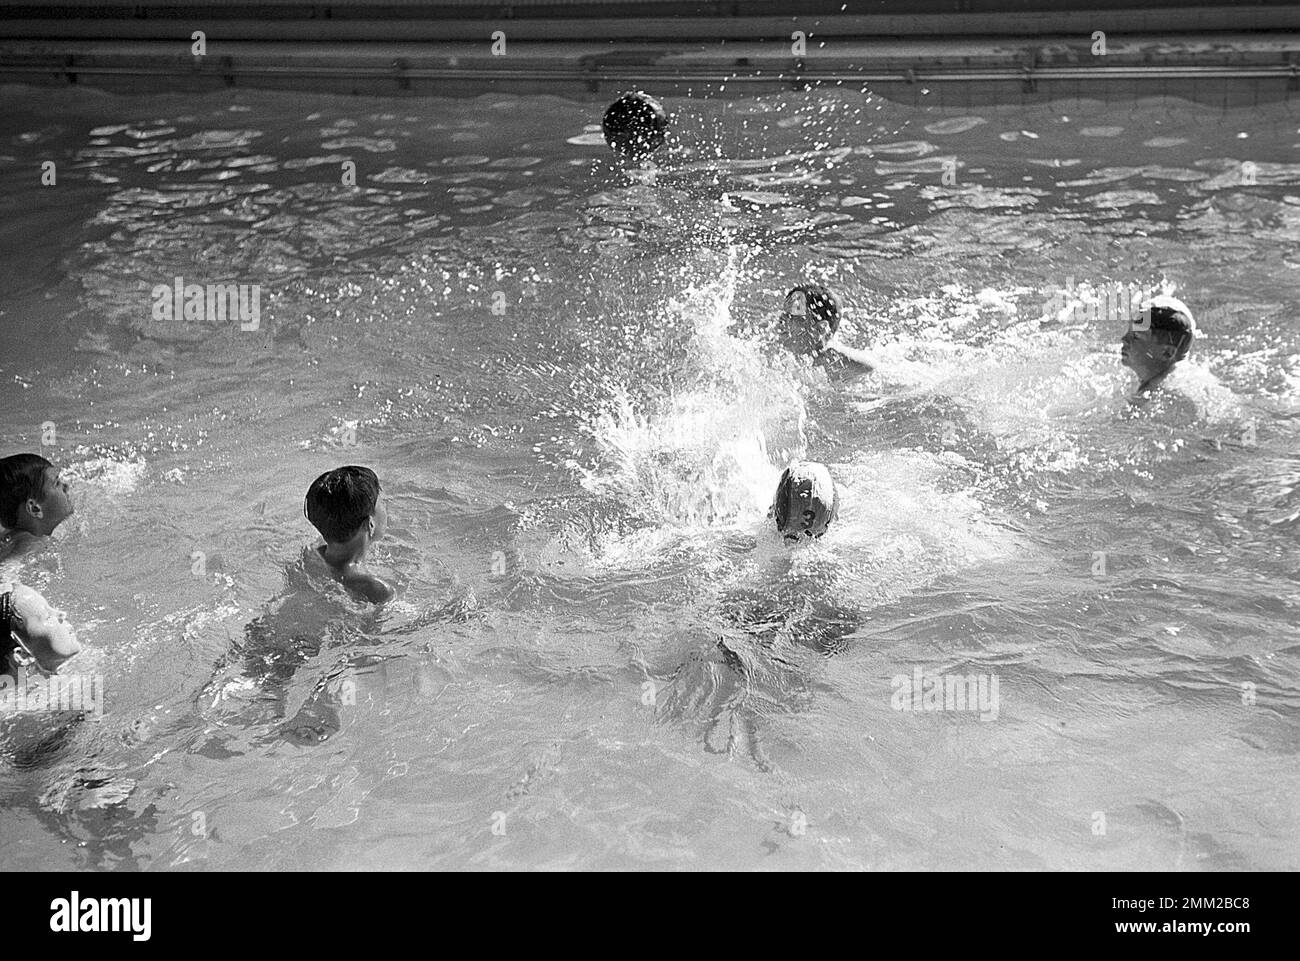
[34, 500]
[347, 507]
[1157, 339]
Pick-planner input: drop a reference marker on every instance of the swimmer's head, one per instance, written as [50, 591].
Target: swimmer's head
[809, 319]
[34, 497]
[34, 635]
[1158, 338]
[347, 506]
[635, 125]
[806, 502]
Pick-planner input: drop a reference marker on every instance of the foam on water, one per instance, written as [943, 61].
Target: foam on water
[708, 455]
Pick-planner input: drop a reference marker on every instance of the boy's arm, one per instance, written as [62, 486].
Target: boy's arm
[853, 355]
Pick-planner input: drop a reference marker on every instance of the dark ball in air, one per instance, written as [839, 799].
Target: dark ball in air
[635, 125]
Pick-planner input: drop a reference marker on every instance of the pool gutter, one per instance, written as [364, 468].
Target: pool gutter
[1258, 59]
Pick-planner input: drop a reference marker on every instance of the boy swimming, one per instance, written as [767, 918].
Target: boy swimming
[347, 507]
[35, 641]
[810, 318]
[723, 684]
[34, 500]
[1157, 340]
[33, 634]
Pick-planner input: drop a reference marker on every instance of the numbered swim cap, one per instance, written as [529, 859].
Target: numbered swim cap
[635, 125]
[806, 501]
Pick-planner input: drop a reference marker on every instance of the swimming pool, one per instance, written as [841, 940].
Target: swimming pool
[551, 363]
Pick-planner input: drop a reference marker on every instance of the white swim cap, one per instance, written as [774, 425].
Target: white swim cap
[1169, 313]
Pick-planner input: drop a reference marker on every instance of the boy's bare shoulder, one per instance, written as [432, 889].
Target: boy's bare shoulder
[17, 543]
[359, 581]
[372, 588]
[14, 546]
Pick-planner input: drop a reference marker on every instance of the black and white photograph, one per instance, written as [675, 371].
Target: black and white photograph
[637, 436]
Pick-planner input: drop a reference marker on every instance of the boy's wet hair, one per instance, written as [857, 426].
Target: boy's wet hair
[339, 502]
[815, 301]
[22, 476]
[1172, 325]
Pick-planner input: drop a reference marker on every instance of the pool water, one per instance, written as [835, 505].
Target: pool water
[599, 656]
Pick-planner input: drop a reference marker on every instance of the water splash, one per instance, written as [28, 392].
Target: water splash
[708, 455]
